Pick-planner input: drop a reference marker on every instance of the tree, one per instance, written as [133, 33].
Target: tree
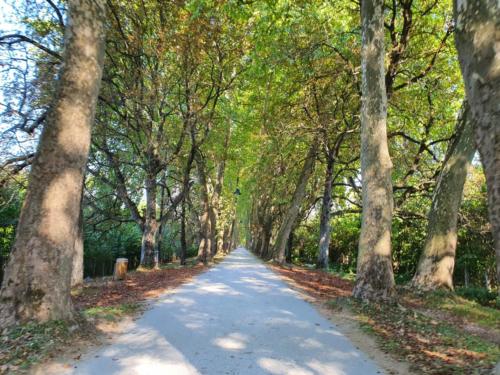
[37, 280]
[374, 277]
[295, 203]
[476, 39]
[437, 261]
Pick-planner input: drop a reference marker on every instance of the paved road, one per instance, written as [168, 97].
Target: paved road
[237, 318]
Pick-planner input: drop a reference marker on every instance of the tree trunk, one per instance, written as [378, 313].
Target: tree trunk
[221, 169]
[289, 247]
[77, 267]
[207, 234]
[477, 40]
[267, 231]
[149, 234]
[374, 277]
[293, 210]
[324, 225]
[435, 268]
[466, 276]
[183, 233]
[226, 238]
[37, 279]
[161, 226]
[235, 236]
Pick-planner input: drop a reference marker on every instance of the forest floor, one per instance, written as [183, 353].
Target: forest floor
[437, 333]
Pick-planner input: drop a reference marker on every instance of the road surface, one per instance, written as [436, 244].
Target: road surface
[236, 318]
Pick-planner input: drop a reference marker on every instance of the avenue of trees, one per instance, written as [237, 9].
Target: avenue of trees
[355, 136]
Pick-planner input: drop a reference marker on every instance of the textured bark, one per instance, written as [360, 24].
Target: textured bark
[265, 243]
[225, 239]
[161, 226]
[477, 37]
[37, 280]
[289, 247]
[374, 277]
[293, 210]
[183, 253]
[435, 268]
[208, 244]
[149, 234]
[77, 267]
[221, 169]
[324, 225]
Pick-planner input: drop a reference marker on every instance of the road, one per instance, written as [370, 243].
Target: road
[239, 317]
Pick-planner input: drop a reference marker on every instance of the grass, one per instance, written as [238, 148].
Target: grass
[349, 275]
[487, 317]
[112, 313]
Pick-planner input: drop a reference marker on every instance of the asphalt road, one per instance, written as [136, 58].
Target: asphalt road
[237, 318]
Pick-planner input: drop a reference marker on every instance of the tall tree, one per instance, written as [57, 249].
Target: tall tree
[477, 38]
[38, 277]
[293, 210]
[437, 261]
[374, 277]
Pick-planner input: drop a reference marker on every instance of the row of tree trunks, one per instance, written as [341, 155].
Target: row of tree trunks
[324, 225]
[211, 230]
[298, 196]
[477, 39]
[38, 276]
[208, 244]
[435, 268]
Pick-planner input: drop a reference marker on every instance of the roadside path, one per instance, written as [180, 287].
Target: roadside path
[238, 318]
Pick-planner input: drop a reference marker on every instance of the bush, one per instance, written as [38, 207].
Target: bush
[480, 295]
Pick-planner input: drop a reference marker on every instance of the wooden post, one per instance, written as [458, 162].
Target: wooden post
[121, 269]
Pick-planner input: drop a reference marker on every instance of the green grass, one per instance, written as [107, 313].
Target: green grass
[112, 313]
[190, 262]
[487, 317]
[349, 275]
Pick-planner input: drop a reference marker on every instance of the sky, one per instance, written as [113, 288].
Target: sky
[11, 143]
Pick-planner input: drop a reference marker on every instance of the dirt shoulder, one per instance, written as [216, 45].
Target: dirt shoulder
[415, 335]
[319, 288]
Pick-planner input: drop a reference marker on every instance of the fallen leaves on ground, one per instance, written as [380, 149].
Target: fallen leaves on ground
[431, 346]
[138, 286]
[317, 283]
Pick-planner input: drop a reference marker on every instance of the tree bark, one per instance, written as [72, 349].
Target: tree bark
[374, 277]
[289, 247]
[324, 225]
[149, 234]
[77, 267]
[477, 39]
[435, 268]
[221, 169]
[207, 231]
[183, 233]
[37, 280]
[293, 210]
